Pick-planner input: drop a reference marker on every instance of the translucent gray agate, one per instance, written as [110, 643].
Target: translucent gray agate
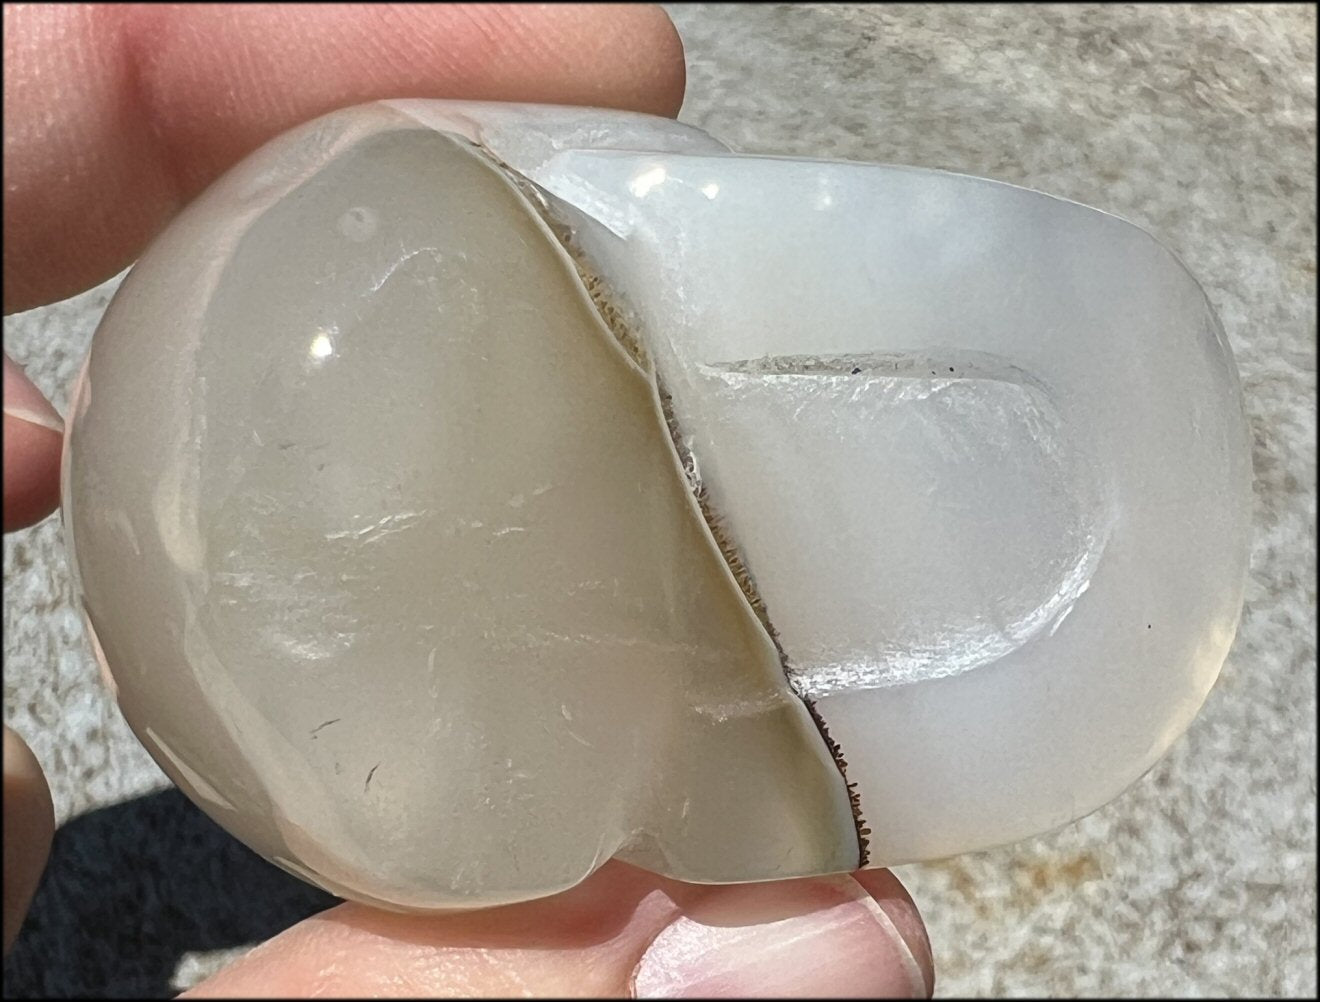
[463, 495]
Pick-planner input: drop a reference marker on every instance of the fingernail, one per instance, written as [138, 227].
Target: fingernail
[824, 938]
[24, 402]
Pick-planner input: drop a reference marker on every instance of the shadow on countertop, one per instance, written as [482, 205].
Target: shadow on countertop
[130, 889]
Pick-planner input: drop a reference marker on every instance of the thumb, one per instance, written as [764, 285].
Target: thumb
[621, 933]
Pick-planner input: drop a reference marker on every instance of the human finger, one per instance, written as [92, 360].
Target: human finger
[33, 437]
[117, 114]
[621, 933]
[29, 824]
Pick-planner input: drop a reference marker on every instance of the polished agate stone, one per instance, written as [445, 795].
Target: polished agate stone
[464, 494]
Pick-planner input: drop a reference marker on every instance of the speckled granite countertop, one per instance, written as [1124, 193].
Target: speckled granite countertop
[1195, 122]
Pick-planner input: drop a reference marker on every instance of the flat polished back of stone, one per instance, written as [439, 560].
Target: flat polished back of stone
[497, 498]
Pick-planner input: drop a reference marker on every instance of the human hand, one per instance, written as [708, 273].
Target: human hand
[115, 116]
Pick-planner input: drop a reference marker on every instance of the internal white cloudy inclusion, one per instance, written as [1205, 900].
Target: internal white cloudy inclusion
[919, 451]
[998, 585]
[906, 514]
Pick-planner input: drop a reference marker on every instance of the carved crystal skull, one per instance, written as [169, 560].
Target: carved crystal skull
[464, 494]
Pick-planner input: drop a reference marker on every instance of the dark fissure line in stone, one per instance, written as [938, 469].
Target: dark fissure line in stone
[617, 320]
[748, 587]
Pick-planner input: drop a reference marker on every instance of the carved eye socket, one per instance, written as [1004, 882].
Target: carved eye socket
[461, 497]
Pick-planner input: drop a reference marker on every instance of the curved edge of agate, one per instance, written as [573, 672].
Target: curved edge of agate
[274, 179]
[891, 785]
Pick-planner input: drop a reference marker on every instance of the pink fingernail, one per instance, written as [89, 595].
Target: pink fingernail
[24, 402]
[816, 938]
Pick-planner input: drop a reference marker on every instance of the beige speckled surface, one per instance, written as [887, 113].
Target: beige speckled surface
[1196, 122]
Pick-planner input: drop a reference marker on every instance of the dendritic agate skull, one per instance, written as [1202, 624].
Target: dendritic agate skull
[466, 494]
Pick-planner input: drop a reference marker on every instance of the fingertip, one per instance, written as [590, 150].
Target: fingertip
[33, 438]
[621, 932]
[626, 56]
[29, 824]
[894, 900]
[666, 80]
